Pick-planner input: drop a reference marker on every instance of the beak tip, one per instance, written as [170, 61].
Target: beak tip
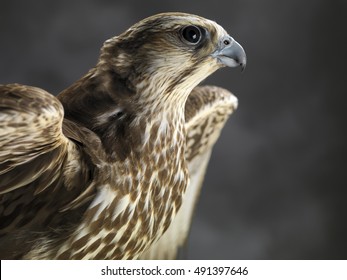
[243, 67]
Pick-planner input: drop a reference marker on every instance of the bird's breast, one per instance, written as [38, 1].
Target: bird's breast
[136, 204]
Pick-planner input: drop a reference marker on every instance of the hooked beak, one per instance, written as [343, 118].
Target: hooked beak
[230, 53]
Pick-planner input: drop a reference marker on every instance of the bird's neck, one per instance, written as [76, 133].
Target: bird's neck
[125, 117]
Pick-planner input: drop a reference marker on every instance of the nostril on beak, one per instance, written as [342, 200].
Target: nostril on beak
[226, 42]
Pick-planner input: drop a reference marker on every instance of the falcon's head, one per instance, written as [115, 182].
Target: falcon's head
[147, 73]
[171, 52]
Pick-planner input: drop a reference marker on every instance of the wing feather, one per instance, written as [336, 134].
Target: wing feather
[38, 163]
[207, 109]
[31, 139]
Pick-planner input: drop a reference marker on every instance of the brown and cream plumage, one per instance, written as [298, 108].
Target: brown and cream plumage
[206, 111]
[101, 171]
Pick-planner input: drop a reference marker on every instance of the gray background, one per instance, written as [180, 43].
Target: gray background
[276, 184]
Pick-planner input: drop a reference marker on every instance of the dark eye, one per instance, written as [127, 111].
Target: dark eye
[191, 34]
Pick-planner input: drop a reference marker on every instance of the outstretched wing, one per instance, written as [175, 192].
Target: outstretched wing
[207, 109]
[39, 167]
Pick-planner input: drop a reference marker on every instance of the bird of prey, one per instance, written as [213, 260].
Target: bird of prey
[102, 170]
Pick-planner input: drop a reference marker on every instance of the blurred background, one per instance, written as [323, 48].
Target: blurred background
[276, 187]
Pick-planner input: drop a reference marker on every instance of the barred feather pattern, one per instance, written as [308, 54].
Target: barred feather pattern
[100, 171]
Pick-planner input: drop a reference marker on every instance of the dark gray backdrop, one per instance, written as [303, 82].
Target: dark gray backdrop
[276, 184]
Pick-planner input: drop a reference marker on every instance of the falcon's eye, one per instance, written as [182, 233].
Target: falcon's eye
[192, 34]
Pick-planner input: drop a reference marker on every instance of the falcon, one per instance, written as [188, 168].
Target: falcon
[112, 166]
